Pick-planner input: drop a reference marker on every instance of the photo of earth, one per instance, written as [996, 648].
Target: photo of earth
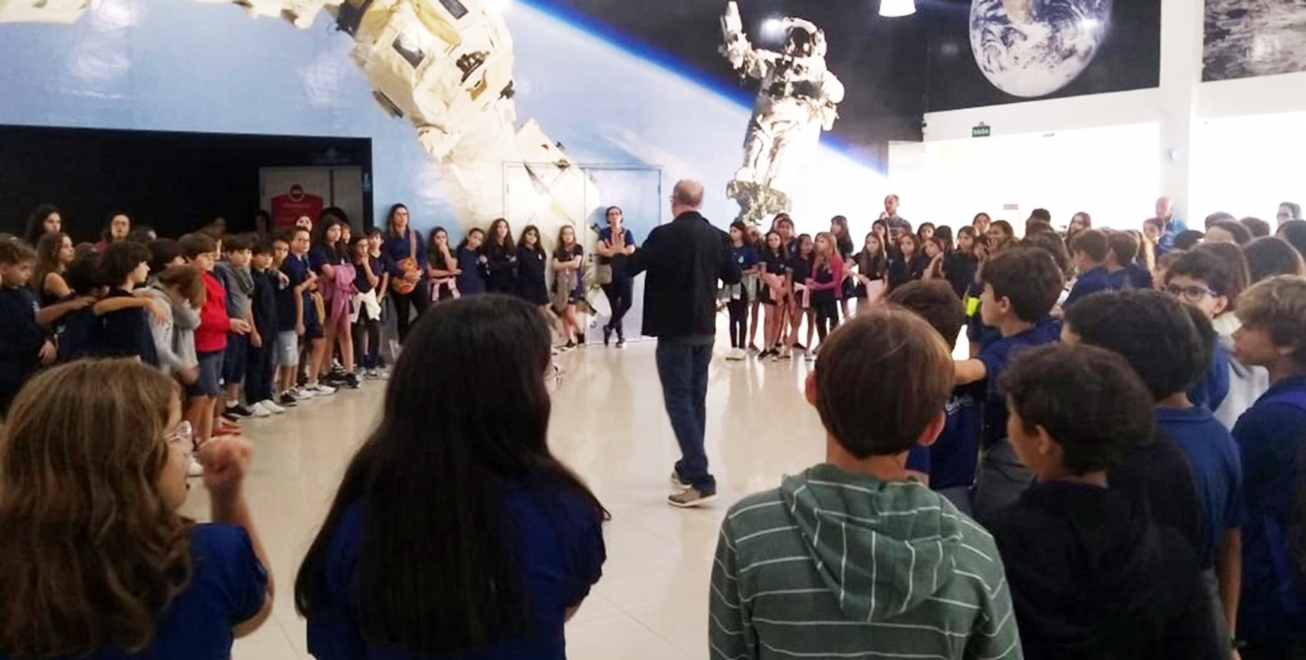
[1033, 48]
[1246, 38]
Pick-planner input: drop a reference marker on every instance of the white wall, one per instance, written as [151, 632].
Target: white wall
[1109, 172]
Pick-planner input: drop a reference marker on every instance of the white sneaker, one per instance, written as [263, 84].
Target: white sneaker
[195, 469]
[735, 355]
[809, 356]
[272, 407]
[321, 390]
[259, 410]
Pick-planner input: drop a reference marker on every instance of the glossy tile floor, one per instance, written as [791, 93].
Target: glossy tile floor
[608, 425]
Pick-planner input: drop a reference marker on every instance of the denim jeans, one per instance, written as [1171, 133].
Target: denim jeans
[682, 368]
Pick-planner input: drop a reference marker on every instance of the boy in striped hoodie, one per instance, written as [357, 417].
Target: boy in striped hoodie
[853, 558]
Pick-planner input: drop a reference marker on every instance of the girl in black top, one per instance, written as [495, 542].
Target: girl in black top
[501, 259]
[944, 236]
[872, 267]
[774, 292]
[961, 265]
[909, 264]
[925, 231]
[800, 270]
[845, 248]
[827, 266]
[933, 251]
[442, 268]
[53, 254]
[531, 263]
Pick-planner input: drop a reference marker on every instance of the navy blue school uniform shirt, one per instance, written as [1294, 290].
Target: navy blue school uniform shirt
[471, 280]
[126, 333]
[1138, 276]
[1217, 473]
[746, 256]
[285, 297]
[952, 460]
[559, 541]
[1269, 436]
[264, 303]
[1212, 389]
[605, 234]
[297, 269]
[1090, 282]
[227, 587]
[996, 355]
[81, 331]
[21, 339]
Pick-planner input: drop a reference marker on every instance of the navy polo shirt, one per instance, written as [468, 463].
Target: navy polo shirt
[21, 339]
[297, 269]
[951, 460]
[227, 587]
[746, 256]
[127, 333]
[1138, 276]
[1212, 389]
[1089, 283]
[559, 540]
[996, 355]
[1269, 435]
[1217, 473]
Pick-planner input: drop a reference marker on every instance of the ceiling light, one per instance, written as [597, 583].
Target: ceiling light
[897, 8]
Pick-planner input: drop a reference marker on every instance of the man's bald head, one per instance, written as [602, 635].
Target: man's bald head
[689, 194]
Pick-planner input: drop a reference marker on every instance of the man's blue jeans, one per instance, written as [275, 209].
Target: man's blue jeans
[682, 368]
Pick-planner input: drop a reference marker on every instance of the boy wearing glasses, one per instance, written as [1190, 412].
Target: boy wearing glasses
[1203, 281]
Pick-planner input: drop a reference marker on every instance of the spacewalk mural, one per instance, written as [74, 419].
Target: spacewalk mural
[1246, 38]
[990, 52]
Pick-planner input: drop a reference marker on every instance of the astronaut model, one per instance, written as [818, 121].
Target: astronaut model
[447, 67]
[798, 98]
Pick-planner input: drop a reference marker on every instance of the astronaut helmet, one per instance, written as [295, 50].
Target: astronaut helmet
[802, 41]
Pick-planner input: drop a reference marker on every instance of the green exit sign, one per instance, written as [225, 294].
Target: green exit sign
[983, 130]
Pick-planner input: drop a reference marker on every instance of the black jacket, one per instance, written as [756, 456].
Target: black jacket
[1093, 578]
[684, 259]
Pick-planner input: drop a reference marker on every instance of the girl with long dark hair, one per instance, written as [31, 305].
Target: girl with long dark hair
[408, 289]
[53, 254]
[501, 259]
[907, 265]
[471, 263]
[739, 295]
[800, 272]
[455, 531]
[336, 275]
[961, 265]
[443, 271]
[846, 290]
[775, 292]
[615, 240]
[872, 269]
[45, 219]
[116, 229]
[532, 264]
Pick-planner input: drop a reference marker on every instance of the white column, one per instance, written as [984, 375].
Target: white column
[1182, 34]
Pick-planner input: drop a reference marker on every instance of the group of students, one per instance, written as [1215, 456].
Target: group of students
[798, 278]
[495, 262]
[1067, 492]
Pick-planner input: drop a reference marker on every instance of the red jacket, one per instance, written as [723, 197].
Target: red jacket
[211, 336]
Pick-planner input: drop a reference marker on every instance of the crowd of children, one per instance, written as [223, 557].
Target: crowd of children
[1111, 472]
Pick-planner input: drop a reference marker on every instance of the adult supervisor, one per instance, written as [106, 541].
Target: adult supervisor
[684, 259]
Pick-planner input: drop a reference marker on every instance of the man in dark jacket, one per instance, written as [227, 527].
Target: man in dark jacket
[684, 259]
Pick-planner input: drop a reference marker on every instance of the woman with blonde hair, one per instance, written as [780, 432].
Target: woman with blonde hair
[97, 561]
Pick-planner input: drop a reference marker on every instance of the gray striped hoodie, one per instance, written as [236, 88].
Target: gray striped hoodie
[837, 565]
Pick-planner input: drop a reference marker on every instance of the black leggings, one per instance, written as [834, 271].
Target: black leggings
[369, 356]
[619, 299]
[827, 317]
[419, 298]
[738, 320]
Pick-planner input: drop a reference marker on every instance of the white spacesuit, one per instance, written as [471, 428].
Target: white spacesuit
[447, 67]
[798, 98]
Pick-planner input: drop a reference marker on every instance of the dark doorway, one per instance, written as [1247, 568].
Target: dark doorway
[174, 182]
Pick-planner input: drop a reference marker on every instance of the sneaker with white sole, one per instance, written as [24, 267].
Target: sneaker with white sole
[271, 406]
[736, 354]
[195, 469]
[259, 410]
[319, 389]
[691, 498]
[302, 393]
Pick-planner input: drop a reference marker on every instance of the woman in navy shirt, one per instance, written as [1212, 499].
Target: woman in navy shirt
[531, 266]
[613, 240]
[455, 533]
[87, 578]
[407, 253]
